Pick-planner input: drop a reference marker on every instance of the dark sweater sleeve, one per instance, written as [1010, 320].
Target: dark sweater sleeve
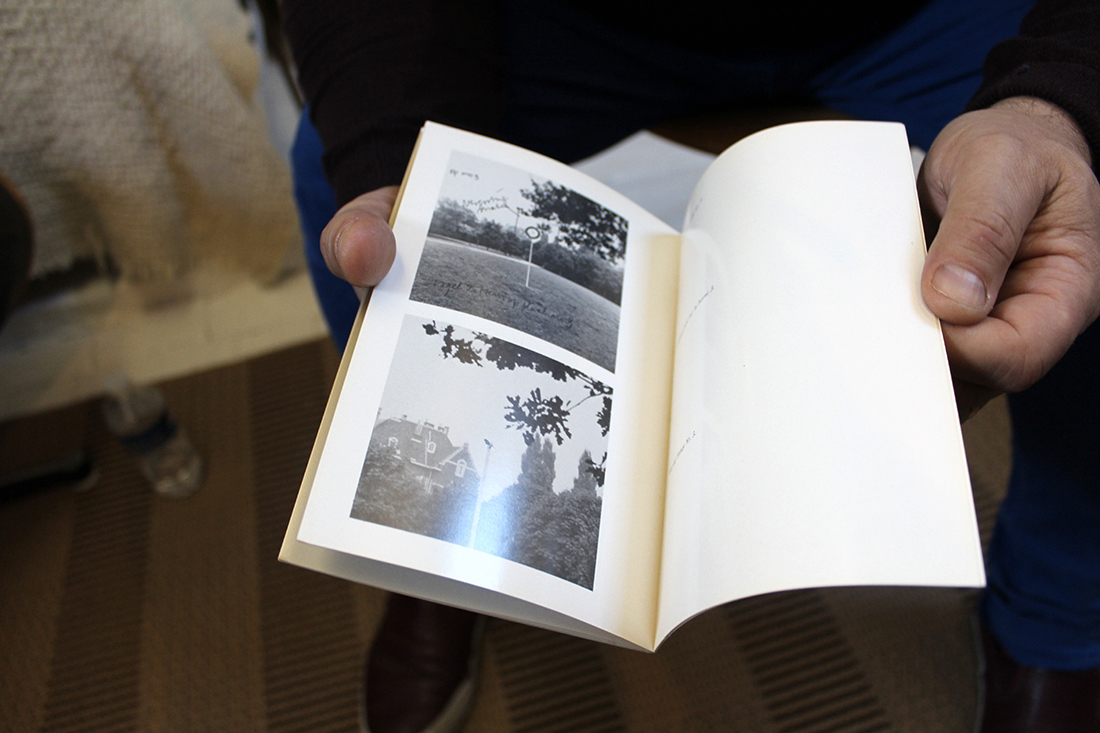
[372, 71]
[1056, 57]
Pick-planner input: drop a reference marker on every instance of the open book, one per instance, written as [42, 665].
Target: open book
[557, 409]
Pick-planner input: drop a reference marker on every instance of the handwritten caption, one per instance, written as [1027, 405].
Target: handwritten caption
[680, 452]
[691, 315]
[451, 290]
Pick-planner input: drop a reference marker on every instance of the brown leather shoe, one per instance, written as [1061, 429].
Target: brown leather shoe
[1022, 699]
[421, 669]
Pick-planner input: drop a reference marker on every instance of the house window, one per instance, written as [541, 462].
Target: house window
[460, 468]
[431, 447]
[392, 442]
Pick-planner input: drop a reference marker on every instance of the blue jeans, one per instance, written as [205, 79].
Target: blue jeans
[316, 205]
[1043, 599]
[574, 87]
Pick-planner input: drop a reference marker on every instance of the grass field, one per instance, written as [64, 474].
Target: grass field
[491, 286]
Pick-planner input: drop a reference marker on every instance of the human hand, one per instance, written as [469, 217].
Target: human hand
[358, 244]
[1014, 269]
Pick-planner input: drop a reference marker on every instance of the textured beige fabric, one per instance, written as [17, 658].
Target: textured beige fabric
[128, 125]
[124, 611]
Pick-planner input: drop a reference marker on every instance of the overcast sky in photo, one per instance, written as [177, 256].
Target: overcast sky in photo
[489, 189]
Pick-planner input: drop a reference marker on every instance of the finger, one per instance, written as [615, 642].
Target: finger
[1047, 297]
[358, 244]
[1031, 327]
[987, 205]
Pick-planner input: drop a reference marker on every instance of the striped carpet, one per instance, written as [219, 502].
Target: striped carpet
[122, 611]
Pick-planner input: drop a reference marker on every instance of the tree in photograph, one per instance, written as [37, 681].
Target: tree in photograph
[393, 493]
[554, 533]
[582, 267]
[589, 473]
[583, 223]
[388, 492]
[452, 220]
[504, 518]
[578, 251]
[578, 526]
[539, 415]
[536, 415]
[577, 534]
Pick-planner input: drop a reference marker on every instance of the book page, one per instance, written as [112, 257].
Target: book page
[815, 440]
[502, 419]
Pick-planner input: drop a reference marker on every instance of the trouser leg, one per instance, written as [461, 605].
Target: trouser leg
[1043, 599]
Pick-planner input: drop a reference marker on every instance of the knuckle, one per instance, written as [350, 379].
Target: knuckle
[993, 236]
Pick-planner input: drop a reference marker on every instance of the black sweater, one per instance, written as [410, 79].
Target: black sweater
[372, 72]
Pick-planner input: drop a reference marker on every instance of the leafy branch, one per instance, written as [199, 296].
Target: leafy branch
[583, 223]
[536, 415]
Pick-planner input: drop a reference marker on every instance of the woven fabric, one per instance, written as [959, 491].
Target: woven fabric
[129, 128]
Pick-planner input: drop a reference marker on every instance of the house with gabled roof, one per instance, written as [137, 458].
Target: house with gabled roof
[428, 450]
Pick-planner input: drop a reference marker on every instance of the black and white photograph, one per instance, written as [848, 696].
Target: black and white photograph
[484, 443]
[528, 253]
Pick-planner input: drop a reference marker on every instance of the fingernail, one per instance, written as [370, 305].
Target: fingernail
[338, 238]
[960, 285]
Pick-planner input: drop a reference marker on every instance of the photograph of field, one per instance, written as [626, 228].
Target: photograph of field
[528, 253]
[492, 286]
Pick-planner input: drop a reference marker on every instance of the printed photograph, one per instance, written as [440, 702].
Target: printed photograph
[483, 443]
[528, 253]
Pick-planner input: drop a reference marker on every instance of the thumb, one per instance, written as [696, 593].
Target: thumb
[1014, 270]
[985, 210]
[358, 244]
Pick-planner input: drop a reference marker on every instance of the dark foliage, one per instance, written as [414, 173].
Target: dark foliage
[536, 416]
[584, 224]
[392, 492]
[530, 524]
[582, 265]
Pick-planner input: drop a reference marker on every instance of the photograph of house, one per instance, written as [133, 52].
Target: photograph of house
[484, 443]
[428, 449]
[414, 478]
